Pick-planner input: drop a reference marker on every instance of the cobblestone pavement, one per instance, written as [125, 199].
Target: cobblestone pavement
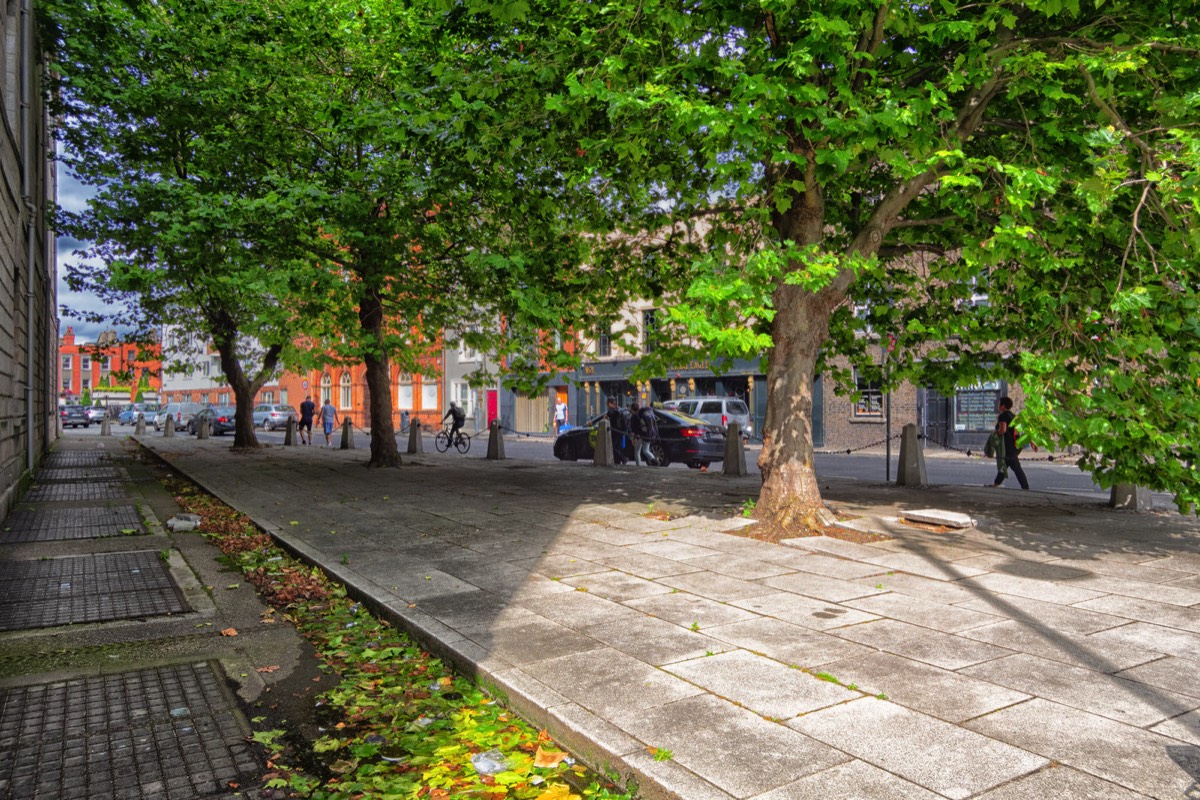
[1051, 650]
[114, 680]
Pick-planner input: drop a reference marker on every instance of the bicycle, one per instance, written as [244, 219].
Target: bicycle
[462, 442]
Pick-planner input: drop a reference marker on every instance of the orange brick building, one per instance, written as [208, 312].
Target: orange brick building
[108, 362]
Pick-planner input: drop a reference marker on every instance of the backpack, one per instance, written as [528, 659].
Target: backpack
[458, 415]
[649, 423]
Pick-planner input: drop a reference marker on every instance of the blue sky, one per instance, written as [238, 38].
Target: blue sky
[73, 196]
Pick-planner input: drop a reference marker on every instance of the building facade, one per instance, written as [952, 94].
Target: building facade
[28, 295]
[128, 370]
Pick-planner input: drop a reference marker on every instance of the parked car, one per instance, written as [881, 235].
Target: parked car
[74, 416]
[182, 412]
[717, 410]
[95, 413]
[221, 420]
[682, 439]
[270, 416]
[130, 415]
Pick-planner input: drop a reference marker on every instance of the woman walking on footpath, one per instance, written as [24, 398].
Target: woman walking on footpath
[328, 420]
[1012, 454]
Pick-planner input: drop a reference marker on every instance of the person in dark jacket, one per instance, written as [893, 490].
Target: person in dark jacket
[645, 432]
[619, 428]
[1012, 459]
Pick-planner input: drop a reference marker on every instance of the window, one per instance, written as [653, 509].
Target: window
[283, 396]
[326, 389]
[106, 363]
[604, 342]
[346, 398]
[85, 363]
[267, 398]
[66, 363]
[466, 353]
[205, 368]
[85, 385]
[131, 355]
[223, 399]
[404, 392]
[429, 394]
[66, 383]
[649, 330]
[870, 397]
[462, 393]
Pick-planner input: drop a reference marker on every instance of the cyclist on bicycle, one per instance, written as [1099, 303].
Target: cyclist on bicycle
[459, 417]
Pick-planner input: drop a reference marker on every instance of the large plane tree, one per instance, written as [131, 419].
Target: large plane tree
[907, 158]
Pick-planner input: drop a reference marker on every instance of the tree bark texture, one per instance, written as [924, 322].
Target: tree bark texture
[384, 452]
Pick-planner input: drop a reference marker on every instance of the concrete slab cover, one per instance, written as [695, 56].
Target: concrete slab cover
[941, 757]
[936, 516]
[171, 732]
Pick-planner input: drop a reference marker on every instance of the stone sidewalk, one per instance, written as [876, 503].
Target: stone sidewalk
[1050, 651]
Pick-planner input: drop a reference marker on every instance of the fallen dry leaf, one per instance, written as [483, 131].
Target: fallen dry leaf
[229, 632]
[548, 759]
[272, 668]
[558, 791]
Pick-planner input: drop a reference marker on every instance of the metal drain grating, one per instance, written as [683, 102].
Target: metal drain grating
[94, 588]
[79, 474]
[45, 525]
[67, 492]
[169, 733]
[76, 458]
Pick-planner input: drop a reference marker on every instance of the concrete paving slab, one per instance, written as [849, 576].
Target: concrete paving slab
[645, 565]
[714, 585]
[1095, 692]
[1007, 564]
[764, 686]
[1172, 593]
[924, 588]
[1046, 591]
[657, 641]
[787, 643]
[743, 568]
[675, 550]
[616, 586]
[803, 611]
[854, 780]
[944, 650]
[1139, 760]
[943, 758]
[666, 779]
[1185, 727]
[1181, 675]
[687, 610]
[837, 547]
[1060, 782]
[1070, 619]
[580, 610]
[1181, 560]
[937, 516]
[560, 566]
[829, 566]
[735, 749]
[1116, 569]
[926, 566]
[611, 684]
[536, 639]
[927, 614]
[821, 587]
[1165, 614]
[1154, 638]
[1083, 651]
[939, 693]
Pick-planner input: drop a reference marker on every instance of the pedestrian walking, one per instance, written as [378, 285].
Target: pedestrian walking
[560, 416]
[645, 433]
[618, 424]
[1008, 454]
[328, 420]
[307, 409]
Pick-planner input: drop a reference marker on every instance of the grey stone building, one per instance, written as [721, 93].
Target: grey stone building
[28, 295]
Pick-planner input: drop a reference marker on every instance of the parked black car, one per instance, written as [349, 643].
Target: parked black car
[682, 439]
[221, 420]
[74, 416]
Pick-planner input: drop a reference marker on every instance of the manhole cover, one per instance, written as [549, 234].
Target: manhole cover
[76, 458]
[45, 525]
[170, 733]
[66, 492]
[79, 474]
[94, 588]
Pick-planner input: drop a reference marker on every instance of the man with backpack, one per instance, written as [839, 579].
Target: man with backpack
[1007, 452]
[458, 418]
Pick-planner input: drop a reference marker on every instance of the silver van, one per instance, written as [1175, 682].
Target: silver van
[717, 410]
[182, 412]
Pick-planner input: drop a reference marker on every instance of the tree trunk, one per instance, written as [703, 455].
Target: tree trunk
[244, 389]
[384, 452]
[791, 497]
